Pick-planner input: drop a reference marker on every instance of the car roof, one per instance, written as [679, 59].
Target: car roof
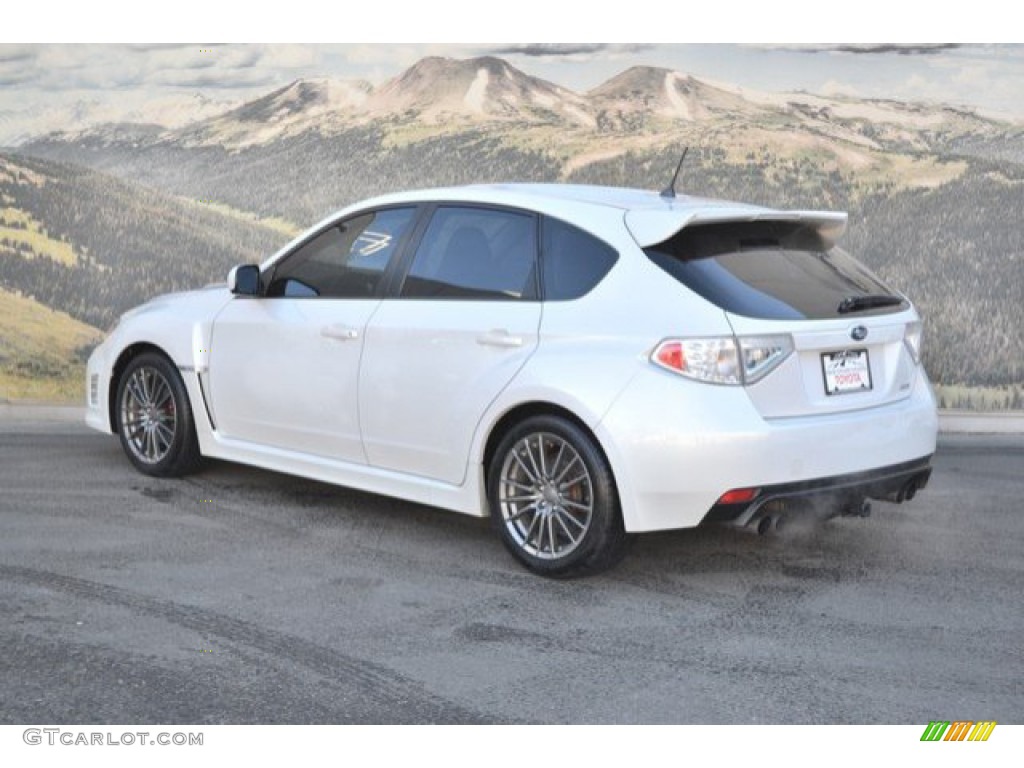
[650, 217]
[545, 195]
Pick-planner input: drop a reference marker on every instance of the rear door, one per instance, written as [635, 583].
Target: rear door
[464, 322]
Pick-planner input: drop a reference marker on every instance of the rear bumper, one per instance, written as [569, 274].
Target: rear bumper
[676, 447]
[898, 483]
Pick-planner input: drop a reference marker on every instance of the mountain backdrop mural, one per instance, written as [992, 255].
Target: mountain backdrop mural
[97, 216]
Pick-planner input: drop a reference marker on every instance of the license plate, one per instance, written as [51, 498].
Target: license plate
[846, 371]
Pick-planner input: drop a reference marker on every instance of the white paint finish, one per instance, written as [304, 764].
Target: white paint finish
[796, 388]
[466, 498]
[682, 445]
[284, 373]
[430, 369]
[653, 225]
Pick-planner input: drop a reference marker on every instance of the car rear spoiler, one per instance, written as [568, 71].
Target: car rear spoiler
[652, 226]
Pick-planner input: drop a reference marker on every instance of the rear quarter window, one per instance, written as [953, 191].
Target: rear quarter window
[573, 260]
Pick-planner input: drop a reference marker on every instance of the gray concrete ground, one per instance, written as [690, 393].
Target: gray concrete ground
[244, 596]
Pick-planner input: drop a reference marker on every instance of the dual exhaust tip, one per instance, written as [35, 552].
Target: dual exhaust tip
[772, 514]
[861, 508]
[777, 519]
[907, 492]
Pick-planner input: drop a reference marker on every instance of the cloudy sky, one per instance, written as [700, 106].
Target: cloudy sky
[42, 77]
[986, 76]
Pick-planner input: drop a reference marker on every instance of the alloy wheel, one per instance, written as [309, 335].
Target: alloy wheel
[149, 418]
[545, 495]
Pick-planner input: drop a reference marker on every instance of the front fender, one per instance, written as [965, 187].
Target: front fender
[177, 325]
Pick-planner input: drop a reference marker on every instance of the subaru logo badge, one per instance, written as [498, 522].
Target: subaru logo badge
[859, 333]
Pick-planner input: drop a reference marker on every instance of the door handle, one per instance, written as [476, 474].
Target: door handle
[499, 337]
[339, 332]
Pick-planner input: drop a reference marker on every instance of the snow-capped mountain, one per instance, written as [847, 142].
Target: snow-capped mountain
[483, 88]
[433, 91]
[669, 94]
[441, 95]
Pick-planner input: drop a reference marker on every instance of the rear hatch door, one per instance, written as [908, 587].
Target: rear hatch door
[777, 273]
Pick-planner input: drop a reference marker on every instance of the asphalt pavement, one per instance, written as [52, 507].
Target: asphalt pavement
[244, 596]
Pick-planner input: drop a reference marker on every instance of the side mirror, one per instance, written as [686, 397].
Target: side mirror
[244, 280]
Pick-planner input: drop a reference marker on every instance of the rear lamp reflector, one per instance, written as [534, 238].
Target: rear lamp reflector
[739, 496]
[670, 355]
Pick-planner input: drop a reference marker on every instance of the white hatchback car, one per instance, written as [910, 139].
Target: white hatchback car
[576, 362]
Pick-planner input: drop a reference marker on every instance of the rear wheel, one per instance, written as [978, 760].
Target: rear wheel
[154, 418]
[553, 499]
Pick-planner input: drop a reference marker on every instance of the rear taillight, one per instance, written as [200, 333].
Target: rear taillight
[710, 360]
[762, 355]
[723, 360]
[912, 340]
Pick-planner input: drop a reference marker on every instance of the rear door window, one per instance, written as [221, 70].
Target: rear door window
[475, 253]
[772, 270]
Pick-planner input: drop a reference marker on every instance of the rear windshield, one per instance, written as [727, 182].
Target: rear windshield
[772, 270]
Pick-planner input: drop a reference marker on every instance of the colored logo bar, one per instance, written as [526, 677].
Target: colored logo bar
[958, 730]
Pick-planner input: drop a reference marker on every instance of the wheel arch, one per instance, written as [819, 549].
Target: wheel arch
[523, 411]
[603, 542]
[602, 440]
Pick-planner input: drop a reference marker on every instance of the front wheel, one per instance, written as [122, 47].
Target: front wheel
[154, 418]
[553, 499]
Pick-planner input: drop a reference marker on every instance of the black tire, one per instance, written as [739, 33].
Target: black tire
[553, 499]
[154, 418]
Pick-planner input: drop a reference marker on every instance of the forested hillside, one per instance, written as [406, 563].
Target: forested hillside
[128, 243]
[956, 249]
[304, 178]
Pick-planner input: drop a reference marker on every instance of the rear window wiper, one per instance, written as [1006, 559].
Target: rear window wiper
[858, 303]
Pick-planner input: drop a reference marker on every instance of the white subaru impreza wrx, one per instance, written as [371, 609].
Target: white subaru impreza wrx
[577, 362]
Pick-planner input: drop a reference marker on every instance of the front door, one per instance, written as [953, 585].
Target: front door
[284, 366]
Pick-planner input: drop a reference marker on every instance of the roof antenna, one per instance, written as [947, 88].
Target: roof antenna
[669, 192]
